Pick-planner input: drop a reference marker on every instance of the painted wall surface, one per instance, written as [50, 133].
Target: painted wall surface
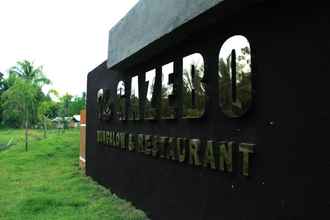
[288, 122]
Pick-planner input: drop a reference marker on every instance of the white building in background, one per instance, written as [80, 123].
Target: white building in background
[73, 122]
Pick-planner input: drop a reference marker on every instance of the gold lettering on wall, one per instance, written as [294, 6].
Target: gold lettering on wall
[117, 140]
[226, 156]
[193, 152]
[181, 149]
[155, 148]
[122, 140]
[161, 146]
[98, 136]
[246, 150]
[171, 149]
[209, 159]
[148, 144]
[140, 145]
[215, 155]
[106, 138]
[131, 142]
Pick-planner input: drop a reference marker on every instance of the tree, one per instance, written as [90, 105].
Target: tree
[77, 104]
[26, 70]
[2, 90]
[5, 84]
[1, 80]
[64, 108]
[46, 110]
[21, 93]
[19, 102]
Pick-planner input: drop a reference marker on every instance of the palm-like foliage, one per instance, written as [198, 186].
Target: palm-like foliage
[243, 83]
[193, 105]
[19, 101]
[1, 81]
[26, 70]
[23, 94]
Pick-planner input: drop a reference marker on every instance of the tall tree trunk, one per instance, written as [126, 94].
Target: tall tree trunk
[45, 127]
[26, 130]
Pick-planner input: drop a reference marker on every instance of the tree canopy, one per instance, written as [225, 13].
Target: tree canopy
[21, 91]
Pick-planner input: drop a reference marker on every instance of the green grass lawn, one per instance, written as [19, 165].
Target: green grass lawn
[46, 183]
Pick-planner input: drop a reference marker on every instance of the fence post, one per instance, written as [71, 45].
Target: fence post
[82, 158]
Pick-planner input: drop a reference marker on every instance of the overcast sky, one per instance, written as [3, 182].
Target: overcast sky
[68, 37]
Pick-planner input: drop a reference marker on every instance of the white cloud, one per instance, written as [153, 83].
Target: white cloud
[68, 37]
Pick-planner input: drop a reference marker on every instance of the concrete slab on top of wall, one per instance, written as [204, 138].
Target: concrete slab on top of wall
[148, 21]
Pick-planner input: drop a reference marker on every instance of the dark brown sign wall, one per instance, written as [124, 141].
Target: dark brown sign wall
[285, 124]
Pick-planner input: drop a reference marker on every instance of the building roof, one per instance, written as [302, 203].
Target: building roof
[60, 119]
[76, 118]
